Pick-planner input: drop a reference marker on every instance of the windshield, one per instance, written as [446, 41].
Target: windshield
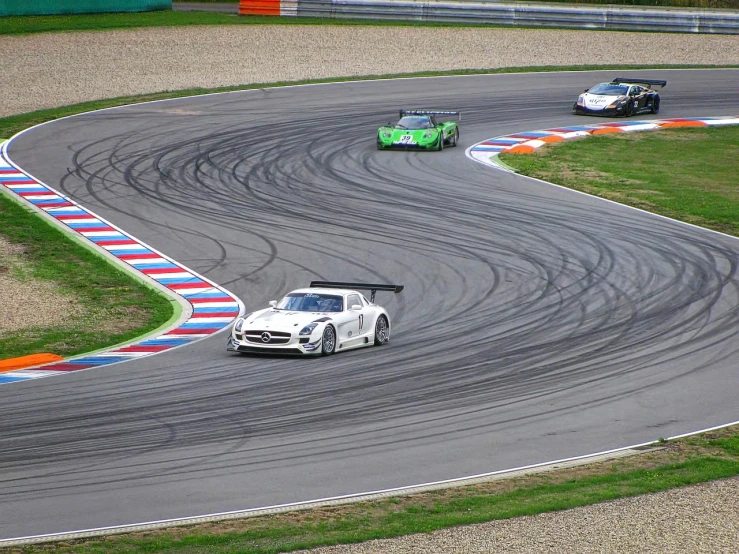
[609, 89]
[311, 302]
[414, 122]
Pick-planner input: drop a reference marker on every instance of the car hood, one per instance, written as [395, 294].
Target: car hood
[414, 132]
[283, 320]
[598, 101]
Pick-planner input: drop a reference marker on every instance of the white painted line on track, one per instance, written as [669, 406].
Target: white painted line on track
[564, 463]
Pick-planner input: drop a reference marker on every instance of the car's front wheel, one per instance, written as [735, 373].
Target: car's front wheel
[441, 140]
[455, 138]
[382, 331]
[329, 341]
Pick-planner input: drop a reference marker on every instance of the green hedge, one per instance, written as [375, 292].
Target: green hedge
[58, 7]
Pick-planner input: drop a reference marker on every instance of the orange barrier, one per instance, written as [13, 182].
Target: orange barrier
[28, 361]
[687, 123]
[607, 131]
[520, 149]
[551, 138]
[259, 7]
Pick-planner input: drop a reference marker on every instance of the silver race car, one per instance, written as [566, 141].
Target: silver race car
[623, 96]
[325, 318]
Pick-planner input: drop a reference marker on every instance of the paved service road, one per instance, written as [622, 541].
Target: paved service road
[536, 323]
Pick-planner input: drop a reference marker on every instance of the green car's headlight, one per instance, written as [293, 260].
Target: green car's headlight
[429, 134]
[386, 134]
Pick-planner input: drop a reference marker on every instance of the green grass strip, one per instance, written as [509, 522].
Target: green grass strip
[392, 518]
[686, 174]
[116, 307]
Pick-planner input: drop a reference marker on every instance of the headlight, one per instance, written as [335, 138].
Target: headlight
[386, 134]
[239, 325]
[581, 100]
[429, 134]
[308, 329]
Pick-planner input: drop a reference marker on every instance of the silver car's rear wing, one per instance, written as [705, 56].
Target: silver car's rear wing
[373, 288]
[638, 81]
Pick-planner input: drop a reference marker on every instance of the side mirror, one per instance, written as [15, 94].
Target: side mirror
[273, 303]
[355, 307]
[586, 90]
[390, 124]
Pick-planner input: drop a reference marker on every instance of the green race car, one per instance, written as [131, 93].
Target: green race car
[419, 130]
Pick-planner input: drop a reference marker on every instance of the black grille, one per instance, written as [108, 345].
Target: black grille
[272, 340]
[252, 350]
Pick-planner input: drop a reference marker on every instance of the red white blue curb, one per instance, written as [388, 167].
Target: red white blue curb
[525, 143]
[209, 308]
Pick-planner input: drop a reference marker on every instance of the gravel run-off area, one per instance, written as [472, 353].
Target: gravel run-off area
[49, 70]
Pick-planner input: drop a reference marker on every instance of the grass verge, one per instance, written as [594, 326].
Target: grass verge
[651, 171]
[113, 306]
[682, 462]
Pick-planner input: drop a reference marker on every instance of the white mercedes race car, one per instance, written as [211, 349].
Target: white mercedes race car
[328, 317]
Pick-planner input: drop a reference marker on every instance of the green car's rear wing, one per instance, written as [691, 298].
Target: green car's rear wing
[639, 81]
[356, 286]
[429, 112]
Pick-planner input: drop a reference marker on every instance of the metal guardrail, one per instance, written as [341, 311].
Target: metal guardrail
[519, 14]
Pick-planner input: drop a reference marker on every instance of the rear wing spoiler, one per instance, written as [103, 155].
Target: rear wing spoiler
[638, 81]
[429, 112]
[356, 286]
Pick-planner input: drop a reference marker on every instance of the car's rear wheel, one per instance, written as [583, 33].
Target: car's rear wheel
[655, 105]
[382, 331]
[329, 341]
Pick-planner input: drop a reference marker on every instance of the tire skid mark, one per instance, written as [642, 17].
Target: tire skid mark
[522, 308]
[211, 308]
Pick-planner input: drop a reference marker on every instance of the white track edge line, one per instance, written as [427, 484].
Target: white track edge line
[352, 498]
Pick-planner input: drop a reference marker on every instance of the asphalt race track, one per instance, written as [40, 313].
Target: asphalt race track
[536, 323]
